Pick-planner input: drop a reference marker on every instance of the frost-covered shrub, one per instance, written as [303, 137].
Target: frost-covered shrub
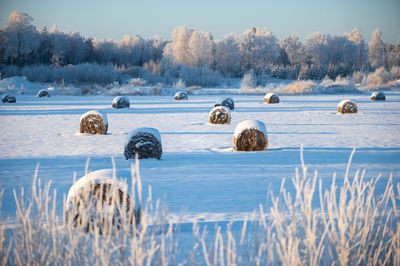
[248, 81]
[225, 101]
[339, 81]
[145, 142]
[395, 72]
[179, 85]
[93, 122]
[137, 82]
[271, 98]
[379, 78]
[378, 96]
[359, 77]
[9, 98]
[300, 87]
[43, 93]
[250, 135]
[180, 95]
[219, 115]
[121, 102]
[98, 201]
[347, 107]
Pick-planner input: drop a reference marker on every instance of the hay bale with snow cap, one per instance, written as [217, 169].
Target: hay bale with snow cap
[93, 122]
[347, 107]
[219, 115]
[271, 98]
[9, 98]
[100, 201]
[146, 142]
[225, 101]
[250, 135]
[121, 102]
[378, 96]
[43, 93]
[180, 95]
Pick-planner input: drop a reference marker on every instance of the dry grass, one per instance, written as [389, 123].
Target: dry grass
[351, 226]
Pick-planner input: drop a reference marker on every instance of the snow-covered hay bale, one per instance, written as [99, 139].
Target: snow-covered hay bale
[378, 96]
[100, 201]
[93, 122]
[121, 102]
[347, 107]
[271, 98]
[181, 95]
[9, 98]
[219, 115]
[146, 142]
[225, 101]
[250, 135]
[43, 93]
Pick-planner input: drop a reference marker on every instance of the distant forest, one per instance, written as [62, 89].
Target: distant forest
[192, 55]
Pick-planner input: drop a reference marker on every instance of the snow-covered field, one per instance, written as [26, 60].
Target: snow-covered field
[199, 175]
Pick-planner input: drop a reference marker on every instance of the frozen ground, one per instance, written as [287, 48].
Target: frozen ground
[199, 173]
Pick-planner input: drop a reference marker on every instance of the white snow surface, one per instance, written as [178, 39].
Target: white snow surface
[142, 130]
[95, 112]
[250, 124]
[107, 176]
[199, 172]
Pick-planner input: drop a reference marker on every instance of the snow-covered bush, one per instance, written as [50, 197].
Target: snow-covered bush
[359, 77]
[300, 87]
[121, 102]
[219, 115]
[248, 81]
[145, 142]
[378, 96]
[379, 78]
[225, 101]
[180, 95]
[43, 93]
[93, 122]
[395, 72]
[347, 107]
[271, 98]
[100, 202]
[8, 98]
[250, 135]
[179, 85]
[339, 81]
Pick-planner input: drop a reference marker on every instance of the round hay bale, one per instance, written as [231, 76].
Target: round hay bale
[93, 122]
[250, 135]
[121, 102]
[271, 98]
[219, 115]
[98, 200]
[43, 93]
[378, 96]
[225, 101]
[181, 95]
[146, 142]
[347, 107]
[9, 98]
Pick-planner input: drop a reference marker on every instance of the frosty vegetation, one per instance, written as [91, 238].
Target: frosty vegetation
[351, 226]
[193, 57]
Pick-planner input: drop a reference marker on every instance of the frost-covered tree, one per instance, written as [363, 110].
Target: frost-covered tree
[361, 54]
[227, 53]
[294, 49]
[200, 49]
[178, 49]
[20, 38]
[258, 49]
[377, 49]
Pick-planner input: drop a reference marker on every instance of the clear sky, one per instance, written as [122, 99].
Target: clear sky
[105, 19]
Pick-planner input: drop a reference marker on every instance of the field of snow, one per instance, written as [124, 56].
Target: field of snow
[199, 175]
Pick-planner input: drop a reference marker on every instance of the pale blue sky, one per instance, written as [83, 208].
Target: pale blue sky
[113, 19]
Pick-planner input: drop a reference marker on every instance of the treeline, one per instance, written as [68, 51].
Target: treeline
[192, 55]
